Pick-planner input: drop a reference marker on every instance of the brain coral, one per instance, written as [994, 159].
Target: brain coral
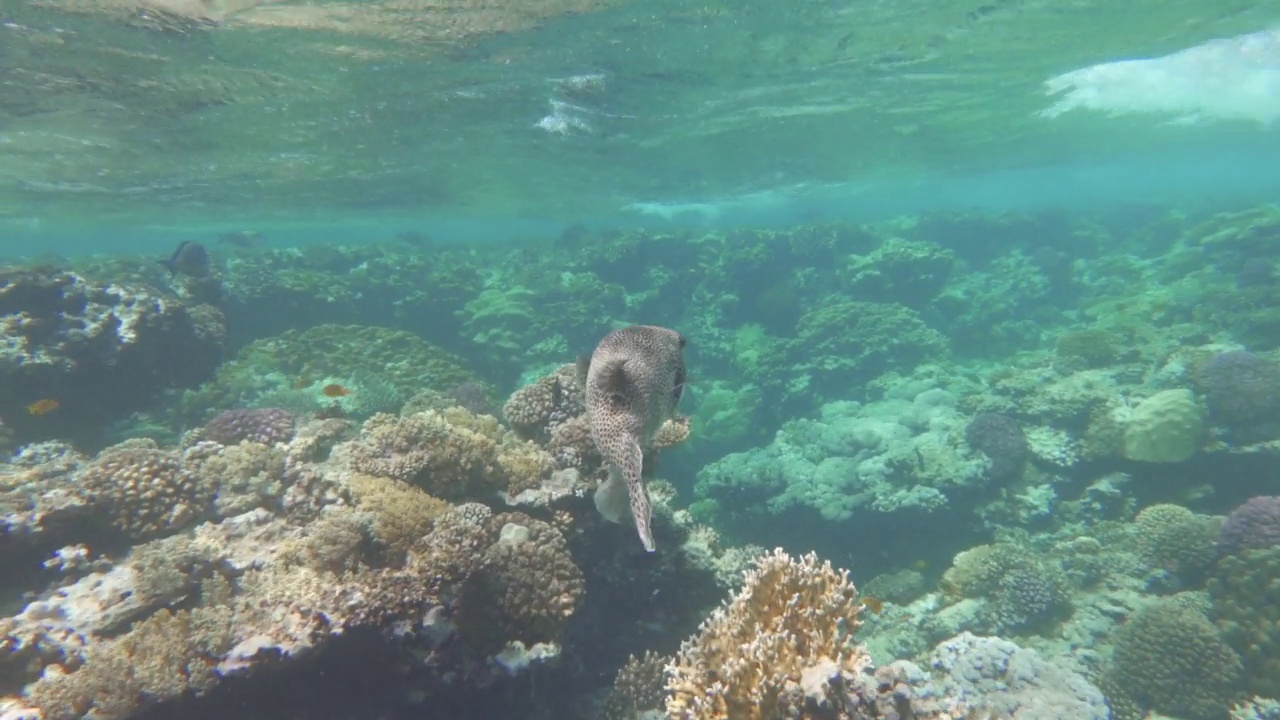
[144, 491]
[779, 648]
[1166, 427]
[1170, 659]
[1255, 525]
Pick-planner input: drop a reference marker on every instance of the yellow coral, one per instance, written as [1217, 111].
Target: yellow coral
[771, 651]
[402, 513]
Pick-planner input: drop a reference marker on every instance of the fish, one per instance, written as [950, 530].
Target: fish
[43, 406]
[335, 390]
[190, 258]
[634, 380]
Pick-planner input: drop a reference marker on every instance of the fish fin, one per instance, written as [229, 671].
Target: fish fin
[613, 377]
[612, 498]
[169, 265]
[584, 366]
[557, 392]
[641, 511]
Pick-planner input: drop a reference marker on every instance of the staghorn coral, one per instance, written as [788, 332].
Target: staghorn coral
[143, 491]
[778, 648]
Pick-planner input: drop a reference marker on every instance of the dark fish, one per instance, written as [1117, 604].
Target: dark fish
[190, 259]
[634, 381]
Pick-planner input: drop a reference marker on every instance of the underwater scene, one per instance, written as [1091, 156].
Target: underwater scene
[621, 360]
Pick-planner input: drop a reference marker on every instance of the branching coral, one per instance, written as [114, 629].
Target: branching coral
[145, 491]
[778, 649]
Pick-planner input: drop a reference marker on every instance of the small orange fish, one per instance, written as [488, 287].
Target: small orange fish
[874, 604]
[43, 406]
[335, 390]
[301, 383]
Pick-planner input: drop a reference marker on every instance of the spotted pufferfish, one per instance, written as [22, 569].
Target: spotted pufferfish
[634, 380]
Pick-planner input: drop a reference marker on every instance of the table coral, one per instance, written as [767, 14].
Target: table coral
[779, 648]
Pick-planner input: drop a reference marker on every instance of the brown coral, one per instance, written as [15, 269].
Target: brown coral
[145, 492]
[402, 513]
[779, 648]
[162, 658]
[445, 458]
[673, 432]
[525, 587]
[535, 410]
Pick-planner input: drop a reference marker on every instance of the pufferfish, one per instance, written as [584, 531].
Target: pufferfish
[634, 380]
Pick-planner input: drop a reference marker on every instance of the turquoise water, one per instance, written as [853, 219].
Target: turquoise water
[608, 360]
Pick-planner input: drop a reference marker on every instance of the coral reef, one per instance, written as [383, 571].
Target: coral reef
[783, 643]
[100, 350]
[1170, 659]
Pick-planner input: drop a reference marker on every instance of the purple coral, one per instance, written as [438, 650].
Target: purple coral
[261, 425]
[1001, 439]
[1255, 525]
[1242, 389]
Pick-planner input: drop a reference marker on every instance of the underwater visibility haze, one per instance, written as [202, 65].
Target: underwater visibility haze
[608, 360]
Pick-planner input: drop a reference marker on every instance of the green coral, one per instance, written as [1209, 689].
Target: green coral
[1086, 348]
[1169, 658]
[850, 342]
[1176, 540]
[1022, 590]
[1245, 590]
[288, 368]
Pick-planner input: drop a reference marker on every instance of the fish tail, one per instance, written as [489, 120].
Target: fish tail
[169, 265]
[641, 511]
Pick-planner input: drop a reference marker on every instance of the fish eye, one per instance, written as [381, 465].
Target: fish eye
[683, 340]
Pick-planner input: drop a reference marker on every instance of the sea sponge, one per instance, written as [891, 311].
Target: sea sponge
[1170, 659]
[1166, 427]
[145, 492]
[781, 647]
